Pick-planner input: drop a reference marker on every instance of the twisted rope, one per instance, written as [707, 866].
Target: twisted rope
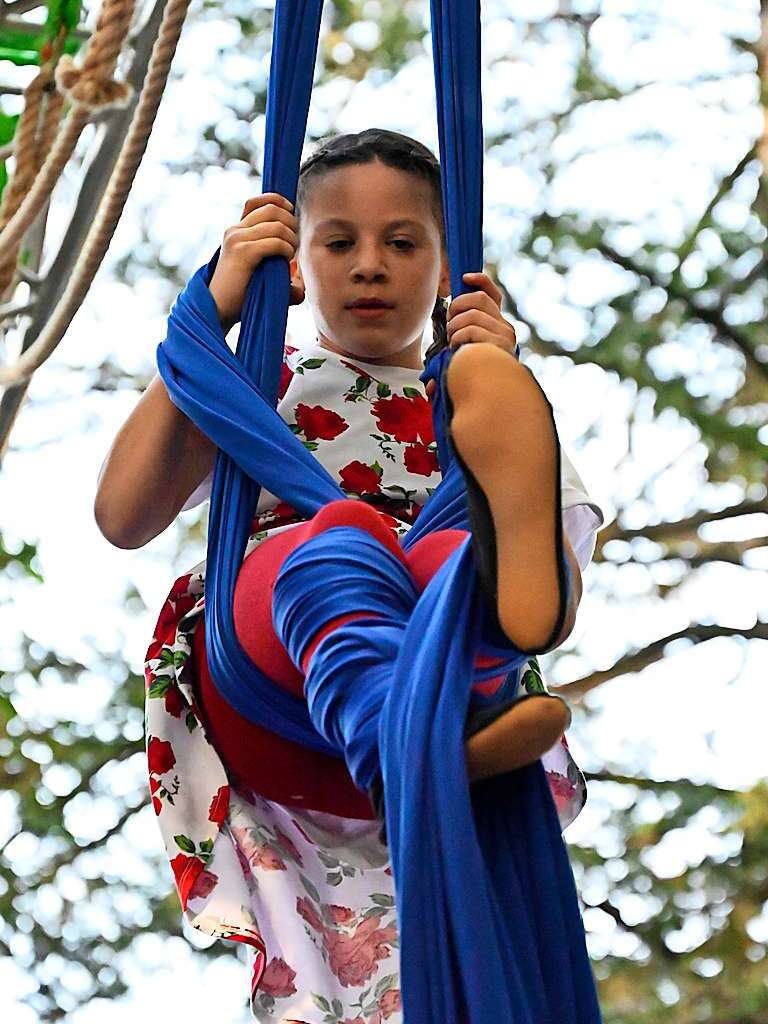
[29, 153]
[88, 88]
[113, 202]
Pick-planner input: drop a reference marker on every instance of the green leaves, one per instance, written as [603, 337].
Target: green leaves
[381, 899]
[184, 843]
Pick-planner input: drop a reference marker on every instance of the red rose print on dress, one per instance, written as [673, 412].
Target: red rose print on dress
[562, 789]
[316, 422]
[203, 885]
[277, 979]
[267, 857]
[271, 518]
[153, 651]
[176, 606]
[288, 846]
[405, 419]
[246, 842]
[305, 908]
[186, 871]
[219, 805]
[154, 785]
[341, 915]
[160, 756]
[353, 958]
[286, 376]
[175, 703]
[390, 1003]
[357, 478]
[421, 460]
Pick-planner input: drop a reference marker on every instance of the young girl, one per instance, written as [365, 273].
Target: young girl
[272, 844]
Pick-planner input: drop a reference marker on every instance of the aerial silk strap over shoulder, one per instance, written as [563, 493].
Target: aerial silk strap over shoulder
[488, 914]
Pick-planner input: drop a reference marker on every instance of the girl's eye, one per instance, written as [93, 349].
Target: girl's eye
[399, 242]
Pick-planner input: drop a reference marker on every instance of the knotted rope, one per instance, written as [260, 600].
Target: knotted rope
[91, 84]
[39, 163]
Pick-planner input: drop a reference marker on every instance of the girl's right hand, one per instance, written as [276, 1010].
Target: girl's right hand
[268, 228]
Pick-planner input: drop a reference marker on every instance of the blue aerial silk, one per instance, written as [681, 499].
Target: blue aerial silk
[490, 928]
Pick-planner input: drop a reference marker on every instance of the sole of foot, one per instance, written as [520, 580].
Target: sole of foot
[519, 737]
[502, 428]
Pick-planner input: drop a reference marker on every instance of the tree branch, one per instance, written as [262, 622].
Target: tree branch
[714, 317]
[731, 551]
[722, 190]
[84, 785]
[680, 527]
[70, 854]
[637, 661]
[706, 789]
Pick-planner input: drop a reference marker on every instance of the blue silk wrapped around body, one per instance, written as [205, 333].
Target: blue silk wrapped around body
[490, 928]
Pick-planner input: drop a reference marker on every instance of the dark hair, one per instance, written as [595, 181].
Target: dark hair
[394, 150]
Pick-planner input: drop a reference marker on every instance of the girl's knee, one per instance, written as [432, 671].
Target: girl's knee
[357, 514]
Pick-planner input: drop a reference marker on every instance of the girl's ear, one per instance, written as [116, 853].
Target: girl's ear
[444, 284]
[297, 284]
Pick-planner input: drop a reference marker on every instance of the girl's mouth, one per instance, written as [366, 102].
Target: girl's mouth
[370, 312]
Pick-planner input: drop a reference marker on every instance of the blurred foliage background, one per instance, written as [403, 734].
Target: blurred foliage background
[644, 318]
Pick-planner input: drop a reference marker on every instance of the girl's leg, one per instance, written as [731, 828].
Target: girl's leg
[517, 737]
[254, 756]
[285, 771]
[503, 430]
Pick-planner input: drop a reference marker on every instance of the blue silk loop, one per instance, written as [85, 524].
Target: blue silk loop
[340, 571]
[490, 928]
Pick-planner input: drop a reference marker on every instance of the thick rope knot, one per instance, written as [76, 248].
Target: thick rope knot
[88, 88]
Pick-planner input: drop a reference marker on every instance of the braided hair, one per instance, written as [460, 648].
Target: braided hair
[394, 150]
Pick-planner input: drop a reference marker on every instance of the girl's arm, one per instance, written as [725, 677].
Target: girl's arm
[159, 456]
[156, 461]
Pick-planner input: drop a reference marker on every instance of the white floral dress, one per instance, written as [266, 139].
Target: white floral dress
[310, 893]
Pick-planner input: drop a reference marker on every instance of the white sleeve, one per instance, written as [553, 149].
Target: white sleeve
[200, 494]
[582, 517]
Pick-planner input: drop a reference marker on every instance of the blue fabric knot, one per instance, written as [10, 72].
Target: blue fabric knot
[341, 571]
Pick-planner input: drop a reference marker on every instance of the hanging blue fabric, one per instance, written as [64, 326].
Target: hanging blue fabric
[487, 909]
[254, 379]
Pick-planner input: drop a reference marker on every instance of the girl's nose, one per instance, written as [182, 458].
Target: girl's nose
[370, 262]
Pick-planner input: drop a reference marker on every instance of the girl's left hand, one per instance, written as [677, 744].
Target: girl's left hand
[476, 316]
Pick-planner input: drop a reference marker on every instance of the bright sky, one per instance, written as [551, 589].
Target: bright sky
[685, 716]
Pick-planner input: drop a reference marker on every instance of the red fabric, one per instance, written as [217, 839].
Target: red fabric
[276, 768]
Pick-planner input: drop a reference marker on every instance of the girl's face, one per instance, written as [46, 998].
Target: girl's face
[369, 231]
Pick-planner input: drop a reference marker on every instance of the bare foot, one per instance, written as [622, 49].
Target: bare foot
[503, 431]
[518, 737]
